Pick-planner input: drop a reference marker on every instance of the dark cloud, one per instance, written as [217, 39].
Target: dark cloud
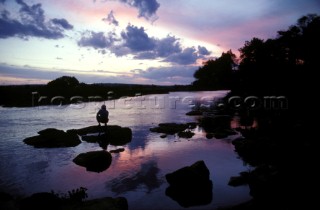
[63, 23]
[162, 48]
[31, 23]
[147, 8]
[111, 19]
[187, 56]
[97, 40]
[168, 46]
[137, 40]
[203, 51]
[2, 1]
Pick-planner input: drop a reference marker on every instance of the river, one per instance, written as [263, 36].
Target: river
[138, 173]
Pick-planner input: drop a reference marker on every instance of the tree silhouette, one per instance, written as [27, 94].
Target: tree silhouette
[216, 74]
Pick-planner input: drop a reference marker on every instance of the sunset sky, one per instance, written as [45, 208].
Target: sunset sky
[131, 41]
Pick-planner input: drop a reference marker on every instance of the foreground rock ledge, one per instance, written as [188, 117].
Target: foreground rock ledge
[190, 185]
[96, 161]
[52, 138]
[50, 201]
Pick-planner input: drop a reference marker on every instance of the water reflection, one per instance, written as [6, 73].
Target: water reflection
[146, 176]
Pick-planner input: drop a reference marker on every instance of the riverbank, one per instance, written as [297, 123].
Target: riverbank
[281, 148]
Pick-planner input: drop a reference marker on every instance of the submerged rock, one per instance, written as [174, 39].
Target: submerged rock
[186, 134]
[96, 161]
[51, 137]
[191, 185]
[169, 128]
[112, 134]
[175, 128]
[194, 113]
[217, 126]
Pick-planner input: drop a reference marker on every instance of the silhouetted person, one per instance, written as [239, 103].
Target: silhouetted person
[103, 115]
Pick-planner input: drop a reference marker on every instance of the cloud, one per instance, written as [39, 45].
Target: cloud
[203, 51]
[63, 23]
[185, 57]
[177, 74]
[31, 22]
[136, 39]
[97, 40]
[146, 8]
[2, 1]
[174, 74]
[111, 19]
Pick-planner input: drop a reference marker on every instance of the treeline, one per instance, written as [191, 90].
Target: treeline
[282, 65]
[281, 146]
[66, 89]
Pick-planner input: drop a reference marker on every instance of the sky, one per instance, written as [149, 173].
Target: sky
[161, 42]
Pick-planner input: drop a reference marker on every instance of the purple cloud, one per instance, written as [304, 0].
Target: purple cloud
[137, 40]
[97, 40]
[63, 23]
[185, 57]
[146, 8]
[31, 23]
[111, 19]
[203, 51]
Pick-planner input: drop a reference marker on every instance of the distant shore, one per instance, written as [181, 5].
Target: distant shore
[38, 95]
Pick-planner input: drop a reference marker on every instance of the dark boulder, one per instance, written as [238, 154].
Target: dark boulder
[191, 185]
[40, 201]
[96, 161]
[51, 138]
[119, 203]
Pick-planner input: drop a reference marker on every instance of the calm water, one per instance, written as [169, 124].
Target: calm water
[138, 173]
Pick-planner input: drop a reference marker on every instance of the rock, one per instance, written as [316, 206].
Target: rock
[192, 125]
[223, 133]
[173, 128]
[50, 201]
[210, 124]
[194, 174]
[113, 134]
[117, 150]
[194, 113]
[186, 134]
[96, 161]
[191, 185]
[169, 128]
[119, 203]
[51, 137]
[209, 135]
[236, 181]
[163, 136]
[40, 201]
